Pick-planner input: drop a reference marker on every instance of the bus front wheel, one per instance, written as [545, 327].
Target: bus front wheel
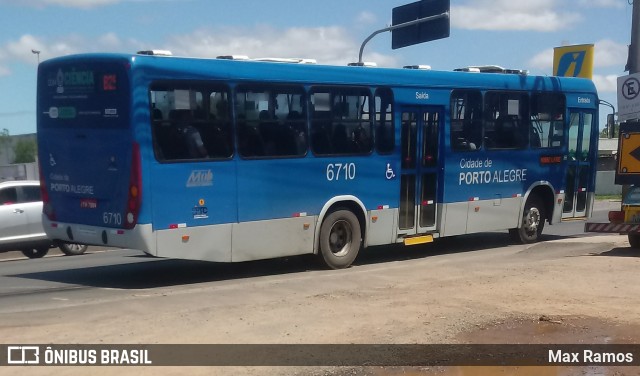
[340, 239]
[532, 222]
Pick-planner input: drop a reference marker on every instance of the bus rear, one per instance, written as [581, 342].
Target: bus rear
[89, 162]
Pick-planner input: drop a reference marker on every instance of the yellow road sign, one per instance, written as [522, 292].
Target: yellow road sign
[629, 158]
[573, 61]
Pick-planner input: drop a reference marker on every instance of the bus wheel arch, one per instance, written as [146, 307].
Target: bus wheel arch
[537, 209]
[340, 233]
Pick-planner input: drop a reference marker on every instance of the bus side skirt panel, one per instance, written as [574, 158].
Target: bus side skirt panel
[496, 214]
[454, 218]
[207, 243]
[273, 238]
[383, 227]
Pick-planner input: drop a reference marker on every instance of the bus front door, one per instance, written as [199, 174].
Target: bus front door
[420, 132]
[579, 166]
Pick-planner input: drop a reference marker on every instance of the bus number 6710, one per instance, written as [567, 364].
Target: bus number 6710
[112, 218]
[341, 171]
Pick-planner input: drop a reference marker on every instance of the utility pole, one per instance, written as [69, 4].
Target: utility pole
[633, 62]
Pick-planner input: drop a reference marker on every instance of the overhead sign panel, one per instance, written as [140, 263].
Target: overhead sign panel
[420, 32]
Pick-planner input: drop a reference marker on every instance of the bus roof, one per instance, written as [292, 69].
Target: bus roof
[174, 67]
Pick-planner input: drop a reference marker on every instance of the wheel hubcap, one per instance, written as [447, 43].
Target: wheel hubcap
[532, 220]
[340, 238]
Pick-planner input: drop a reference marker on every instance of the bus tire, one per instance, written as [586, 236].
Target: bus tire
[34, 253]
[634, 240]
[532, 222]
[72, 249]
[340, 239]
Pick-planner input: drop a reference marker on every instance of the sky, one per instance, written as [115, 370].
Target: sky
[513, 34]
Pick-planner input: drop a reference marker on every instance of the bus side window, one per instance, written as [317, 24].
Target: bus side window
[385, 134]
[547, 120]
[321, 132]
[216, 127]
[271, 123]
[161, 136]
[187, 142]
[341, 121]
[466, 120]
[190, 123]
[506, 119]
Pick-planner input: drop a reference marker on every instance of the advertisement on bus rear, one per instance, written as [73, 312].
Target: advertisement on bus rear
[81, 95]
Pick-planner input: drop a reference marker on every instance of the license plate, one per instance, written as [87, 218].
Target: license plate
[88, 203]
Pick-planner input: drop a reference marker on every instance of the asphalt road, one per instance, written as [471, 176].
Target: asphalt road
[102, 272]
[444, 292]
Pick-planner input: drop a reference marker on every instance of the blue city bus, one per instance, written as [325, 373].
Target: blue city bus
[233, 160]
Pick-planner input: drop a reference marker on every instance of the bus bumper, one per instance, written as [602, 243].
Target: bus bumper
[140, 237]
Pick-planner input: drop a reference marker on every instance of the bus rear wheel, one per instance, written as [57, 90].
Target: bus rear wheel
[532, 222]
[72, 249]
[340, 239]
[33, 253]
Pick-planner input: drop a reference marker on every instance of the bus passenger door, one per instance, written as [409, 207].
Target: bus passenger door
[579, 167]
[419, 178]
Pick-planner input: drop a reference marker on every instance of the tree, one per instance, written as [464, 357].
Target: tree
[604, 133]
[5, 142]
[25, 151]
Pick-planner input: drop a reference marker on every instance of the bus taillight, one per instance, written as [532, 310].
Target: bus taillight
[134, 194]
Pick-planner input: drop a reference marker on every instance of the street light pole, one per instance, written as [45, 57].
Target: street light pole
[36, 52]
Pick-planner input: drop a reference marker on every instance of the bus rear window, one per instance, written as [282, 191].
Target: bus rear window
[84, 95]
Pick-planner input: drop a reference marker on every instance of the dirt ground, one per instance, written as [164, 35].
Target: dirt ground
[570, 290]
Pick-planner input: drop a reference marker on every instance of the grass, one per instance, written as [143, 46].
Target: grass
[608, 197]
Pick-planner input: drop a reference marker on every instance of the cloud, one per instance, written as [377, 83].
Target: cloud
[20, 50]
[366, 18]
[328, 45]
[542, 60]
[82, 4]
[511, 15]
[607, 53]
[601, 3]
[608, 83]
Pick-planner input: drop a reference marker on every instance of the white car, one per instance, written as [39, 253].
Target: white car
[21, 221]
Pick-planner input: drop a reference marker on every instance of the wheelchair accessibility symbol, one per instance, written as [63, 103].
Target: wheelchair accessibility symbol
[390, 174]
